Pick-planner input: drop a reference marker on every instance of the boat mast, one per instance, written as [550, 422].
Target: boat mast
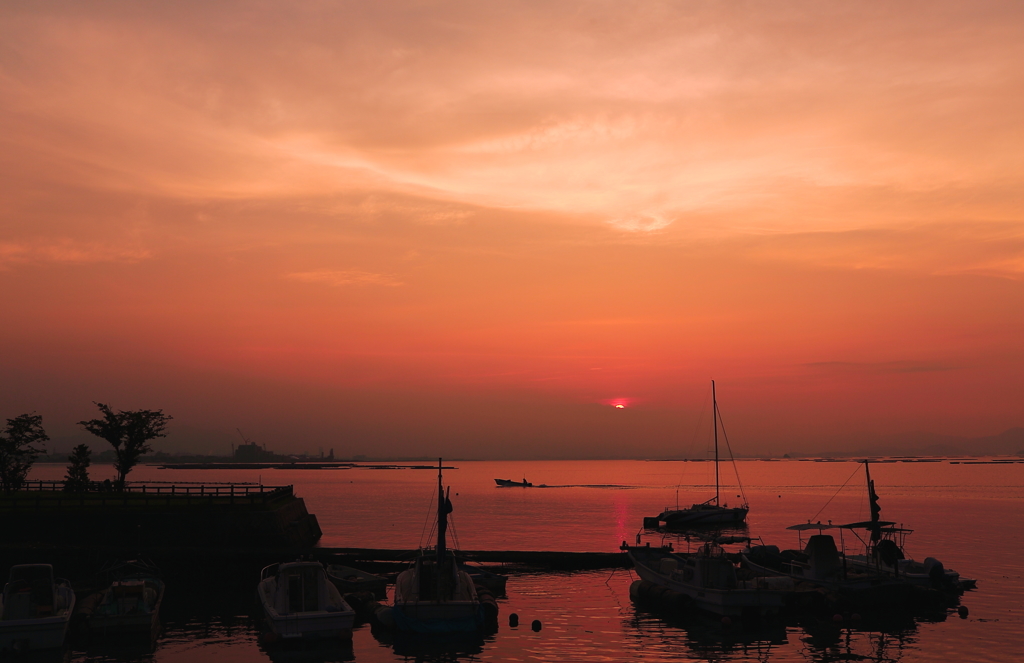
[442, 518]
[714, 416]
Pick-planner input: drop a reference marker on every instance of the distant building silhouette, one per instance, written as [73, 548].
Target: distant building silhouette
[253, 453]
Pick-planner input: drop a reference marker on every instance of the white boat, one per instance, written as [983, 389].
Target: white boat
[35, 610]
[131, 604]
[711, 512]
[300, 602]
[710, 580]
[435, 595]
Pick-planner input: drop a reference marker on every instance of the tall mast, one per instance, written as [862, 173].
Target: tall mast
[714, 415]
[442, 517]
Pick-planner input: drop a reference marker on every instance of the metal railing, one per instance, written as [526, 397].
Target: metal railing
[140, 494]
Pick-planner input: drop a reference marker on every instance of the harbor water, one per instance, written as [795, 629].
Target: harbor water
[968, 515]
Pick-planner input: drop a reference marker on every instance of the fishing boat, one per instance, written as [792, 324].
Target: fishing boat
[862, 578]
[710, 580]
[36, 609]
[435, 595]
[300, 602]
[508, 483]
[131, 603]
[348, 579]
[712, 511]
[885, 551]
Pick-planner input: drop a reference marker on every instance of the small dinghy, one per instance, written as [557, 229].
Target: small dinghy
[131, 603]
[508, 483]
[300, 602]
[36, 609]
[349, 580]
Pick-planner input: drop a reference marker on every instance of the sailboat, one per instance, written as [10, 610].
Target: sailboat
[435, 595]
[711, 512]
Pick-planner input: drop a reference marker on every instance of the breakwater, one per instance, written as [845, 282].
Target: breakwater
[164, 517]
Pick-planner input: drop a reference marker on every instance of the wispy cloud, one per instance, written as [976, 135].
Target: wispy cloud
[338, 278]
[900, 366]
[69, 251]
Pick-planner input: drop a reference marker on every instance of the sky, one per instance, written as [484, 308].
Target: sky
[473, 229]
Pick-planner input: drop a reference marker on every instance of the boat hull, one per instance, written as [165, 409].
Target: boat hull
[706, 516]
[42, 633]
[735, 602]
[310, 625]
[303, 622]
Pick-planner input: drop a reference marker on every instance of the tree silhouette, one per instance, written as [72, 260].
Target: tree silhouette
[129, 432]
[77, 478]
[17, 452]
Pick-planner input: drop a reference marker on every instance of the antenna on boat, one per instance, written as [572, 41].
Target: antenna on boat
[714, 416]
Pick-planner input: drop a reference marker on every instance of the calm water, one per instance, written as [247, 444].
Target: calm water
[969, 516]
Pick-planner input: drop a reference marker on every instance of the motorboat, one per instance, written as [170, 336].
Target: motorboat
[300, 602]
[711, 511]
[508, 483]
[885, 551]
[131, 603]
[711, 580]
[434, 595]
[36, 609]
[348, 579]
[875, 576]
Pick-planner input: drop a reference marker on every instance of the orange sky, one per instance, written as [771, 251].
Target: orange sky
[468, 228]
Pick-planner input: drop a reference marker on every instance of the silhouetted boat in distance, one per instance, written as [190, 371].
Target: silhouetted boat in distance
[509, 483]
[711, 512]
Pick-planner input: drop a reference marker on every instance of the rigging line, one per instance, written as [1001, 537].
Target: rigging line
[735, 469]
[455, 534]
[834, 496]
[696, 432]
[426, 520]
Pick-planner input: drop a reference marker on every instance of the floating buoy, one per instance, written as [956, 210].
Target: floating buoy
[513, 620]
[963, 612]
[855, 616]
[837, 618]
[726, 621]
[535, 625]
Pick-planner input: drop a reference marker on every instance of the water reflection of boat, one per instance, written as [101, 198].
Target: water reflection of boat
[36, 609]
[507, 483]
[704, 635]
[712, 511]
[710, 580]
[435, 595]
[300, 602]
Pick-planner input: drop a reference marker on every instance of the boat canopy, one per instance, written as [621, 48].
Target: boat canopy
[867, 524]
